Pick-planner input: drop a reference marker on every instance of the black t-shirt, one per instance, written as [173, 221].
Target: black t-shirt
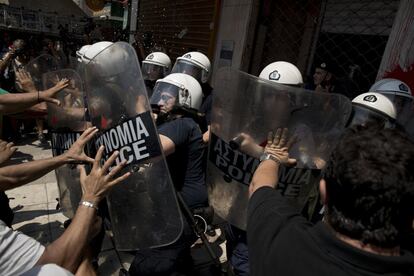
[206, 108]
[207, 102]
[186, 163]
[282, 242]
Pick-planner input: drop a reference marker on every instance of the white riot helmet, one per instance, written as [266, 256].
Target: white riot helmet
[175, 86]
[156, 66]
[194, 64]
[111, 60]
[81, 52]
[94, 50]
[399, 93]
[392, 87]
[372, 107]
[282, 72]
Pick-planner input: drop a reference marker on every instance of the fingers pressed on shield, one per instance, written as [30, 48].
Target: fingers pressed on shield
[276, 139]
[116, 170]
[82, 171]
[110, 161]
[283, 138]
[98, 158]
[52, 100]
[269, 138]
[119, 179]
[86, 135]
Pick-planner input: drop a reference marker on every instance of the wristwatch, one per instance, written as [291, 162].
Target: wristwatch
[268, 156]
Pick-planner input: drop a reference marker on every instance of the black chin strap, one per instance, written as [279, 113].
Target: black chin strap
[179, 111]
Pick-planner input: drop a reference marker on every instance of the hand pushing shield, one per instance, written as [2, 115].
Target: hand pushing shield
[66, 122]
[245, 109]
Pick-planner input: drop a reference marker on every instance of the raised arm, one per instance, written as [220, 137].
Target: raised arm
[14, 103]
[68, 250]
[17, 175]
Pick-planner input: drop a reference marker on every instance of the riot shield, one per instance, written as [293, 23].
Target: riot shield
[408, 125]
[66, 123]
[245, 104]
[144, 210]
[36, 68]
[39, 66]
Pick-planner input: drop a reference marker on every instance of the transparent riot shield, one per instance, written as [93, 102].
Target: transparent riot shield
[246, 106]
[407, 125]
[35, 69]
[144, 209]
[66, 123]
[39, 66]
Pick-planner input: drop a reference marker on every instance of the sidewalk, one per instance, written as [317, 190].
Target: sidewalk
[34, 205]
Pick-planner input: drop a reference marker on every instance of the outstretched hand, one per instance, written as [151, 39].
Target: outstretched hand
[100, 180]
[25, 81]
[76, 153]
[278, 145]
[50, 94]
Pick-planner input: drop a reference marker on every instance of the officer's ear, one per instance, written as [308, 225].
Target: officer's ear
[328, 76]
[322, 191]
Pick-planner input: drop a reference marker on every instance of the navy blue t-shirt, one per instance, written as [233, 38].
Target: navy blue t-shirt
[206, 107]
[186, 163]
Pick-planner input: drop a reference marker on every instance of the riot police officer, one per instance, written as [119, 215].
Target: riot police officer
[174, 96]
[156, 65]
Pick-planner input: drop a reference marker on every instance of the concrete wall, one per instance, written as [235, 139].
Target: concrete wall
[232, 46]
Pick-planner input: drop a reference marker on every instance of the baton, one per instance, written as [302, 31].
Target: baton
[190, 216]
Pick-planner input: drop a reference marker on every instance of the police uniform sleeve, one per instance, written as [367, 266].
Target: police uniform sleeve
[178, 131]
[268, 213]
[18, 252]
[206, 108]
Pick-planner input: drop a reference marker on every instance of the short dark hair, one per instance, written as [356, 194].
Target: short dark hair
[370, 186]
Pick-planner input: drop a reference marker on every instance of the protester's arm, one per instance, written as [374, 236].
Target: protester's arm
[268, 211]
[68, 250]
[266, 174]
[17, 175]
[13, 103]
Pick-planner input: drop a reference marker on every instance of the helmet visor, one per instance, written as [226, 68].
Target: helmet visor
[362, 116]
[152, 72]
[186, 67]
[165, 96]
[401, 103]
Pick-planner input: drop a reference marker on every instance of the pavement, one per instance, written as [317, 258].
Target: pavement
[36, 215]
